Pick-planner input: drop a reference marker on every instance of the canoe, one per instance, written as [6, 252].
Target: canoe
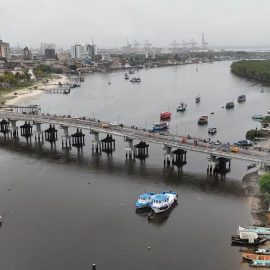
[260, 263]
[254, 229]
[253, 256]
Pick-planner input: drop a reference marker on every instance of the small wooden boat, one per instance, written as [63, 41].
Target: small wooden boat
[126, 77]
[145, 200]
[241, 98]
[203, 120]
[260, 263]
[253, 256]
[254, 229]
[257, 117]
[212, 131]
[198, 99]
[135, 79]
[229, 105]
[165, 116]
[245, 241]
[262, 251]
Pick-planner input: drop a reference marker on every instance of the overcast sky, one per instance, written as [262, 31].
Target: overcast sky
[111, 22]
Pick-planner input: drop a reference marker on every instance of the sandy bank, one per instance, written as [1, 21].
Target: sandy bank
[17, 96]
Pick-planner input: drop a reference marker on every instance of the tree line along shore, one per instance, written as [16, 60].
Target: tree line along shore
[258, 70]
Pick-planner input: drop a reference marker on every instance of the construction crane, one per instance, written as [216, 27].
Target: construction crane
[192, 43]
[184, 44]
[175, 44]
[136, 44]
[147, 45]
[204, 43]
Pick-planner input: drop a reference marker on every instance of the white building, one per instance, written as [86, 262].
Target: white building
[77, 52]
[4, 50]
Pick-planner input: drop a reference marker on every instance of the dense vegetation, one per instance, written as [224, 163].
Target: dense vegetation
[264, 181]
[253, 69]
[254, 133]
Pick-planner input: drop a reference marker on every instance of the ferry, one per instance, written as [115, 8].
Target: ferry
[229, 105]
[160, 127]
[145, 200]
[203, 120]
[163, 201]
[182, 107]
[165, 116]
[241, 98]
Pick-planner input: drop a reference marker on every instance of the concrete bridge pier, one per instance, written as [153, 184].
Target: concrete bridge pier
[167, 155]
[179, 158]
[78, 139]
[51, 134]
[130, 152]
[4, 127]
[66, 138]
[141, 150]
[96, 144]
[108, 144]
[26, 130]
[219, 165]
[39, 133]
[14, 129]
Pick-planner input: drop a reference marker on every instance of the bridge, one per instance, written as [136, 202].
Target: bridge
[131, 134]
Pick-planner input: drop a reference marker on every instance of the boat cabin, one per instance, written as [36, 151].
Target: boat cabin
[165, 115]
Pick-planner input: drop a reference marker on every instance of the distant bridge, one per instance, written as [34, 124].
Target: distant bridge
[168, 141]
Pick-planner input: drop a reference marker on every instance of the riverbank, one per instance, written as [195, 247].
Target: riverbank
[258, 207]
[14, 97]
[258, 70]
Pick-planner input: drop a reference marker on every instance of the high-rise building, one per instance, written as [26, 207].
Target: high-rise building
[90, 50]
[45, 46]
[77, 52]
[49, 54]
[4, 50]
[26, 54]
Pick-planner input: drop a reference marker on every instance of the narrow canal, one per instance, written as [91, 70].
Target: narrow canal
[69, 209]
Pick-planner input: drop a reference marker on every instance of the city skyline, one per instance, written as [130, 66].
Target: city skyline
[111, 25]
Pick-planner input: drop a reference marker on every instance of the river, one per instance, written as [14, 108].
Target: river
[69, 209]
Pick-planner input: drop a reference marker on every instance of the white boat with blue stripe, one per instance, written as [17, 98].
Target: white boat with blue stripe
[163, 201]
[255, 229]
[145, 200]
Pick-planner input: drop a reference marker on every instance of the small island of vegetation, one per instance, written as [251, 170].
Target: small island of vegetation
[258, 70]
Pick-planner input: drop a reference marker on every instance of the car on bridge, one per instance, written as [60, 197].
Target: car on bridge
[244, 143]
[234, 149]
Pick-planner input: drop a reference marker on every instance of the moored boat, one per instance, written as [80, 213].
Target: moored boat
[254, 229]
[257, 117]
[203, 120]
[163, 201]
[248, 238]
[165, 116]
[182, 107]
[260, 263]
[198, 99]
[253, 256]
[145, 200]
[229, 105]
[241, 98]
